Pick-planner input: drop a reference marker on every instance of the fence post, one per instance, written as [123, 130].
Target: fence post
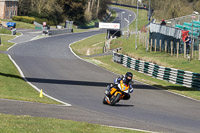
[171, 48]
[192, 51]
[147, 39]
[147, 45]
[199, 51]
[177, 49]
[144, 40]
[160, 45]
[151, 44]
[184, 50]
[155, 44]
[165, 46]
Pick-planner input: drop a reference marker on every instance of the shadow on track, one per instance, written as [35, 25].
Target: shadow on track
[123, 105]
[100, 84]
[68, 82]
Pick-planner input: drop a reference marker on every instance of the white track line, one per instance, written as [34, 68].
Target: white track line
[22, 75]
[134, 129]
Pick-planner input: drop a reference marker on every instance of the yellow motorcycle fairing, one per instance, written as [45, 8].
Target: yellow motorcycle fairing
[124, 87]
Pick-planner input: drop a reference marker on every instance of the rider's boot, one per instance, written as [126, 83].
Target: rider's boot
[107, 91]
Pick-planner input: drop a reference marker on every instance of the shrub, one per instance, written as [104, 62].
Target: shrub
[41, 20]
[16, 18]
[25, 19]
[31, 20]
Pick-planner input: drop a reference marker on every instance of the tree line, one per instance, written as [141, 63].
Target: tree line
[79, 11]
[167, 9]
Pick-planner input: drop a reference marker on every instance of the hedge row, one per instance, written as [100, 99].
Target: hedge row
[25, 19]
[41, 20]
[31, 20]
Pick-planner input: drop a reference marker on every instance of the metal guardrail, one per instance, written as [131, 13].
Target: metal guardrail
[165, 30]
[175, 76]
[59, 31]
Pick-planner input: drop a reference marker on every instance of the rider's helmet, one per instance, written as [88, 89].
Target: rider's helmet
[128, 76]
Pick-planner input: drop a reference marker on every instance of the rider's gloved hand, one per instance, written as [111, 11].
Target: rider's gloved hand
[131, 90]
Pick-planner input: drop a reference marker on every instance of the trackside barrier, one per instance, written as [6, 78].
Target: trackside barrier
[175, 76]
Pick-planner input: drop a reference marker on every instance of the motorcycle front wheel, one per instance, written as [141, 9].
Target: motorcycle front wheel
[115, 99]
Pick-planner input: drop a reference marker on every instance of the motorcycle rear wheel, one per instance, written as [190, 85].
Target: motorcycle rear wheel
[104, 100]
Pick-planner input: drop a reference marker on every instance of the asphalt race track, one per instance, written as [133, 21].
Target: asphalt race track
[50, 65]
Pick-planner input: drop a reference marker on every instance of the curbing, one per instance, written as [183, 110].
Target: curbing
[175, 76]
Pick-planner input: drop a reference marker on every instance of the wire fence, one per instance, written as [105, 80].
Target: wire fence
[180, 20]
[169, 40]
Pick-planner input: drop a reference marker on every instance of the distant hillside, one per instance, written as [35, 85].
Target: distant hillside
[166, 9]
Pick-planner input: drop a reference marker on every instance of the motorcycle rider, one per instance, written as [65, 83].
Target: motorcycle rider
[127, 80]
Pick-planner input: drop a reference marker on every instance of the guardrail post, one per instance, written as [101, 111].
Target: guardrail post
[184, 50]
[177, 49]
[171, 48]
[155, 44]
[165, 46]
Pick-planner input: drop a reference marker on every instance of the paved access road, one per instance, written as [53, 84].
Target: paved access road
[50, 65]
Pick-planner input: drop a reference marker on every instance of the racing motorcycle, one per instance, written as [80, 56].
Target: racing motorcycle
[116, 93]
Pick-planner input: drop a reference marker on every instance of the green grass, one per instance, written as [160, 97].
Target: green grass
[11, 84]
[160, 58]
[19, 24]
[94, 44]
[76, 30]
[4, 41]
[27, 124]
[5, 31]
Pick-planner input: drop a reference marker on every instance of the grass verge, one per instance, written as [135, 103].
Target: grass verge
[91, 46]
[27, 124]
[5, 43]
[160, 58]
[19, 24]
[11, 84]
[4, 31]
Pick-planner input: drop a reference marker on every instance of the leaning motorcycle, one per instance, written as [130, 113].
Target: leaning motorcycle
[116, 93]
